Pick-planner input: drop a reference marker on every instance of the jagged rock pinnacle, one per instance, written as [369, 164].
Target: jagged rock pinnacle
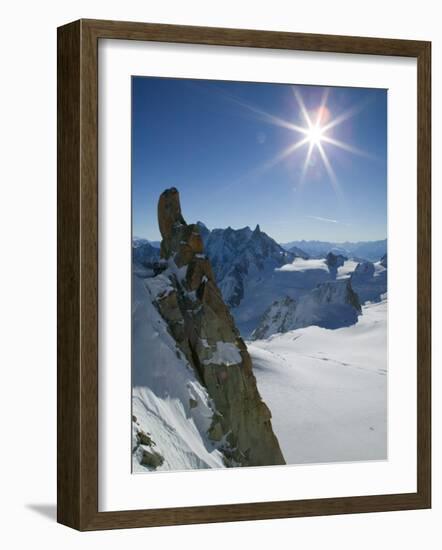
[205, 332]
[179, 239]
[169, 212]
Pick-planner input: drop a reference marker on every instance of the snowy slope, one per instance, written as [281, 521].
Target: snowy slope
[168, 402]
[346, 269]
[330, 305]
[303, 265]
[272, 284]
[295, 279]
[327, 389]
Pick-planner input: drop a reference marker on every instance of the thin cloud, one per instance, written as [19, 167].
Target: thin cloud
[321, 219]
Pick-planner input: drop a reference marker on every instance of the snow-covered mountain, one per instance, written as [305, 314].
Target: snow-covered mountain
[252, 270]
[330, 305]
[141, 240]
[297, 252]
[143, 252]
[365, 250]
[369, 280]
[239, 256]
[195, 399]
[327, 389]
[291, 280]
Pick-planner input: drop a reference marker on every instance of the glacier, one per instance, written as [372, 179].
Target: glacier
[327, 389]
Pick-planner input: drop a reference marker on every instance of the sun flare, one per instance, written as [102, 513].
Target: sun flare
[315, 134]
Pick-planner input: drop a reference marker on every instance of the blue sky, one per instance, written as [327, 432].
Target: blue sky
[221, 144]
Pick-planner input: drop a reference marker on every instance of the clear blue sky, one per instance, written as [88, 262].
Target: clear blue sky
[220, 144]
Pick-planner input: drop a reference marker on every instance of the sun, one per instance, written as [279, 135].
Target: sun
[315, 134]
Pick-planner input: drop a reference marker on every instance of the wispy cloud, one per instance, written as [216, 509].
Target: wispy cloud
[321, 219]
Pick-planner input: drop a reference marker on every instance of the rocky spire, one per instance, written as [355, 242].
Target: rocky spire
[173, 227]
[205, 332]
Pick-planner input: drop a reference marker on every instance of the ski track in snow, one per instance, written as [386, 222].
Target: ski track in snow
[327, 389]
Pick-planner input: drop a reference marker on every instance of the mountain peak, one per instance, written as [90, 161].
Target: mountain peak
[169, 212]
[332, 304]
[191, 304]
[180, 240]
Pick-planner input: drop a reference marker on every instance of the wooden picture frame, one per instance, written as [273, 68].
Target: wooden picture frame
[77, 225]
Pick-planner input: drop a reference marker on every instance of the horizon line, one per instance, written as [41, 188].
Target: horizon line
[277, 241]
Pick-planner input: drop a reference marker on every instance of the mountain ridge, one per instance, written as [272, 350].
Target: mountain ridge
[367, 250]
[331, 305]
[370, 250]
[252, 270]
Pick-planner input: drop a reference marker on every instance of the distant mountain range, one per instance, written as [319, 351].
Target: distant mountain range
[237, 255]
[252, 270]
[144, 252]
[364, 250]
[331, 305]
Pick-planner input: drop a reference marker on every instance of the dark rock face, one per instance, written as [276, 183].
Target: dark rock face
[364, 270]
[370, 281]
[334, 261]
[278, 318]
[239, 255]
[205, 333]
[299, 252]
[151, 459]
[204, 231]
[143, 445]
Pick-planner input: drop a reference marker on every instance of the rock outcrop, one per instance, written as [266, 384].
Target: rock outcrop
[278, 318]
[190, 302]
[143, 447]
[299, 253]
[334, 261]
